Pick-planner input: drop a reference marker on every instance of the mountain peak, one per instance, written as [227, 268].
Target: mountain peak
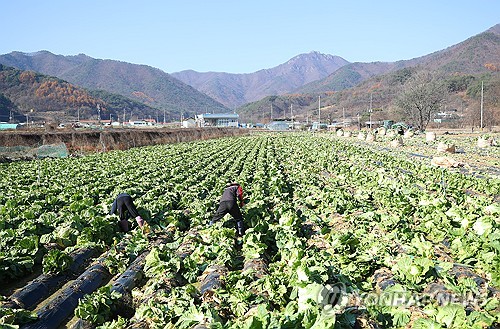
[316, 55]
[495, 29]
[249, 87]
[36, 53]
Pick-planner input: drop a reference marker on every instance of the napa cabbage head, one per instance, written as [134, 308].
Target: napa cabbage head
[483, 225]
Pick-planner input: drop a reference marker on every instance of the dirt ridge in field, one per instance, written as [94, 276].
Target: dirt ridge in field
[112, 139]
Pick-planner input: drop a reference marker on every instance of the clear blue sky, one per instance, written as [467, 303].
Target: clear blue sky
[238, 36]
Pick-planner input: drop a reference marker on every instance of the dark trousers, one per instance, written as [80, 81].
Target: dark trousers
[125, 206]
[228, 207]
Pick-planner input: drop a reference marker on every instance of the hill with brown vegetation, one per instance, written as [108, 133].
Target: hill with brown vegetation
[346, 88]
[141, 83]
[46, 98]
[356, 87]
[472, 56]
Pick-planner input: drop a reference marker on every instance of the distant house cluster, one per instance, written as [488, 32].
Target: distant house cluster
[201, 120]
[446, 116]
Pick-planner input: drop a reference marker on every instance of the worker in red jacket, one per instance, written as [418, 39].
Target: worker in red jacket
[228, 204]
[126, 208]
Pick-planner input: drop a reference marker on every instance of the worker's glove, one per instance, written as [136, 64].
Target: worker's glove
[140, 221]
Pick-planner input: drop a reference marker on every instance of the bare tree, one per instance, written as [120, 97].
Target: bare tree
[491, 115]
[422, 96]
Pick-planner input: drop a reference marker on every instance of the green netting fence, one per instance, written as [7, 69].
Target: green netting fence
[13, 153]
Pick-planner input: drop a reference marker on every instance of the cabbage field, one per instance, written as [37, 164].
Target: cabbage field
[341, 233]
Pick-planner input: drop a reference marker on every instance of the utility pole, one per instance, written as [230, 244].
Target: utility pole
[271, 111]
[163, 116]
[123, 115]
[78, 114]
[370, 111]
[291, 114]
[319, 111]
[482, 105]
[343, 116]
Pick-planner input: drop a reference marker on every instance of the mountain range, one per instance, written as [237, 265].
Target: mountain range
[139, 82]
[355, 87]
[467, 57]
[31, 95]
[298, 82]
[234, 90]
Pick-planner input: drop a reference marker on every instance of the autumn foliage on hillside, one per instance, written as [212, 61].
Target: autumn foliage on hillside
[49, 98]
[64, 93]
[492, 67]
[143, 97]
[31, 90]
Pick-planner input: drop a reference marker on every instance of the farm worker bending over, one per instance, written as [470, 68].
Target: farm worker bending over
[125, 206]
[229, 205]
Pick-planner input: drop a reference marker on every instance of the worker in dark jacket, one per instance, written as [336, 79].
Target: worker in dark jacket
[232, 196]
[126, 208]
[400, 131]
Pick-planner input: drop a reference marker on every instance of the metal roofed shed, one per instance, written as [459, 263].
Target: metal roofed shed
[279, 125]
[319, 126]
[5, 125]
[217, 120]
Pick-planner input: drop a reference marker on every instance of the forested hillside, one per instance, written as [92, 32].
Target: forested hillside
[355, 89]
[46, 98]
[350, 90]
[475, 55]
[463, 95]
[139, 82]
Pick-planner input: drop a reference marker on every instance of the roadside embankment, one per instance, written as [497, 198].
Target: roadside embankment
[112, 139]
